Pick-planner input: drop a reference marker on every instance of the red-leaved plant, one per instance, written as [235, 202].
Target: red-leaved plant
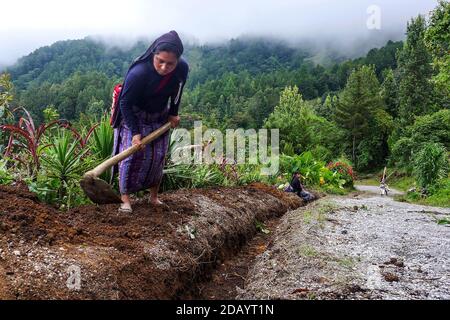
[26, 136]
[345, 170]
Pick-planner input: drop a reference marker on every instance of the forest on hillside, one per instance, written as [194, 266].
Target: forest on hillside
[390, 107]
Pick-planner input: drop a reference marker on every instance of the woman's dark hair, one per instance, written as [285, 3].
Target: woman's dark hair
[167, 47]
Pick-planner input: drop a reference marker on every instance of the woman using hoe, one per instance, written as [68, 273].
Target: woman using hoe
[150, 97]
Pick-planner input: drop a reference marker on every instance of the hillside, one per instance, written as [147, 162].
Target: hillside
[76, 76]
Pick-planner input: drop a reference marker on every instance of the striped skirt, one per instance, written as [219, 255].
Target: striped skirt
[144, 169]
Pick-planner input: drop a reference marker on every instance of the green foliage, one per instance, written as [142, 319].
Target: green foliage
[292, 117]
[261, 227]
[96, 108]
[403, 183]
[313, 172]
[236, 84]
[389, 92]
[345, 171]
[179, 175]
[6, 116]
[5, 175]
[300, 129]
[430, 164]
[63, 160]
[25, 135]
[6, 92]
[360, 112]
[382, 58]
[328, 107]
[86, 92]
[63, 59]
[437, 39]
[102, 143]
[190, 176]
[433, 128]
[50, 114]
[415, 71]
[402, 152]
[439, 193]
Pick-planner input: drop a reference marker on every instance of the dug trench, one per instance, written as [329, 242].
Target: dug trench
[175, 251]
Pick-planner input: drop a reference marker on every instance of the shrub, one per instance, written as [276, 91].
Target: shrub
[430, 164]
[345, 171]
[5, 176]
[63, 161]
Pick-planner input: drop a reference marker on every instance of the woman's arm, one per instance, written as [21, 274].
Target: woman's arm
[132, 91]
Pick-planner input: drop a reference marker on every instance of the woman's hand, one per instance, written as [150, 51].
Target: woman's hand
[175, 121]
[136, 141]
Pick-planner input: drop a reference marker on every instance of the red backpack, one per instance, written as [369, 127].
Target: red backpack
[115, 107]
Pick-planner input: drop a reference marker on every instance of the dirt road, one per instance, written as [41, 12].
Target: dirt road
[362, 246]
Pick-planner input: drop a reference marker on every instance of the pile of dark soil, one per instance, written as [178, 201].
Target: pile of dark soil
[94, 252]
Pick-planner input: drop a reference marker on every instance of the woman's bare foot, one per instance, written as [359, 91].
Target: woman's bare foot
[156, 202]
[125, 208]
[154, 196]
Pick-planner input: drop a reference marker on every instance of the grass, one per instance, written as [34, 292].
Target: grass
[347, 262]
[332, 190]
[368, 182]
[327, 207]
[307, 216]
[308, 252]
[440, 196]
[318, 213]
[443, 221]
[403, 183]
[440, 199]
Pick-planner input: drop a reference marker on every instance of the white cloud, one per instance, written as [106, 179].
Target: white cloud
[28, 24]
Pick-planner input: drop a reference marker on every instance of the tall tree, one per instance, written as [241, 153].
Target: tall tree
[360, 101]
[415, 71]
[437, 39]
[291, 116]
[389, 91]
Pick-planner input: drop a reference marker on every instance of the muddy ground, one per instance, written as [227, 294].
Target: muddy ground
[93, 252]
[227, 243]
[361, 246]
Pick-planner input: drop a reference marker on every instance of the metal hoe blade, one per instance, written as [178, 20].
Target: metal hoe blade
[99, 191]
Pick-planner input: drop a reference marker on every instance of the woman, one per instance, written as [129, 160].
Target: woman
[295, 183]
[384, 187]
[299, 189]
[150, 97]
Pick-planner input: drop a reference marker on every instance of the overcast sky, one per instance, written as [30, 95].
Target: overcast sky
[26, 25]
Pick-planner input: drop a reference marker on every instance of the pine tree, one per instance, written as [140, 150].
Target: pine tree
[358, 102]
[389, 91]
[415, 71]
[327, 108]
[437, 39]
